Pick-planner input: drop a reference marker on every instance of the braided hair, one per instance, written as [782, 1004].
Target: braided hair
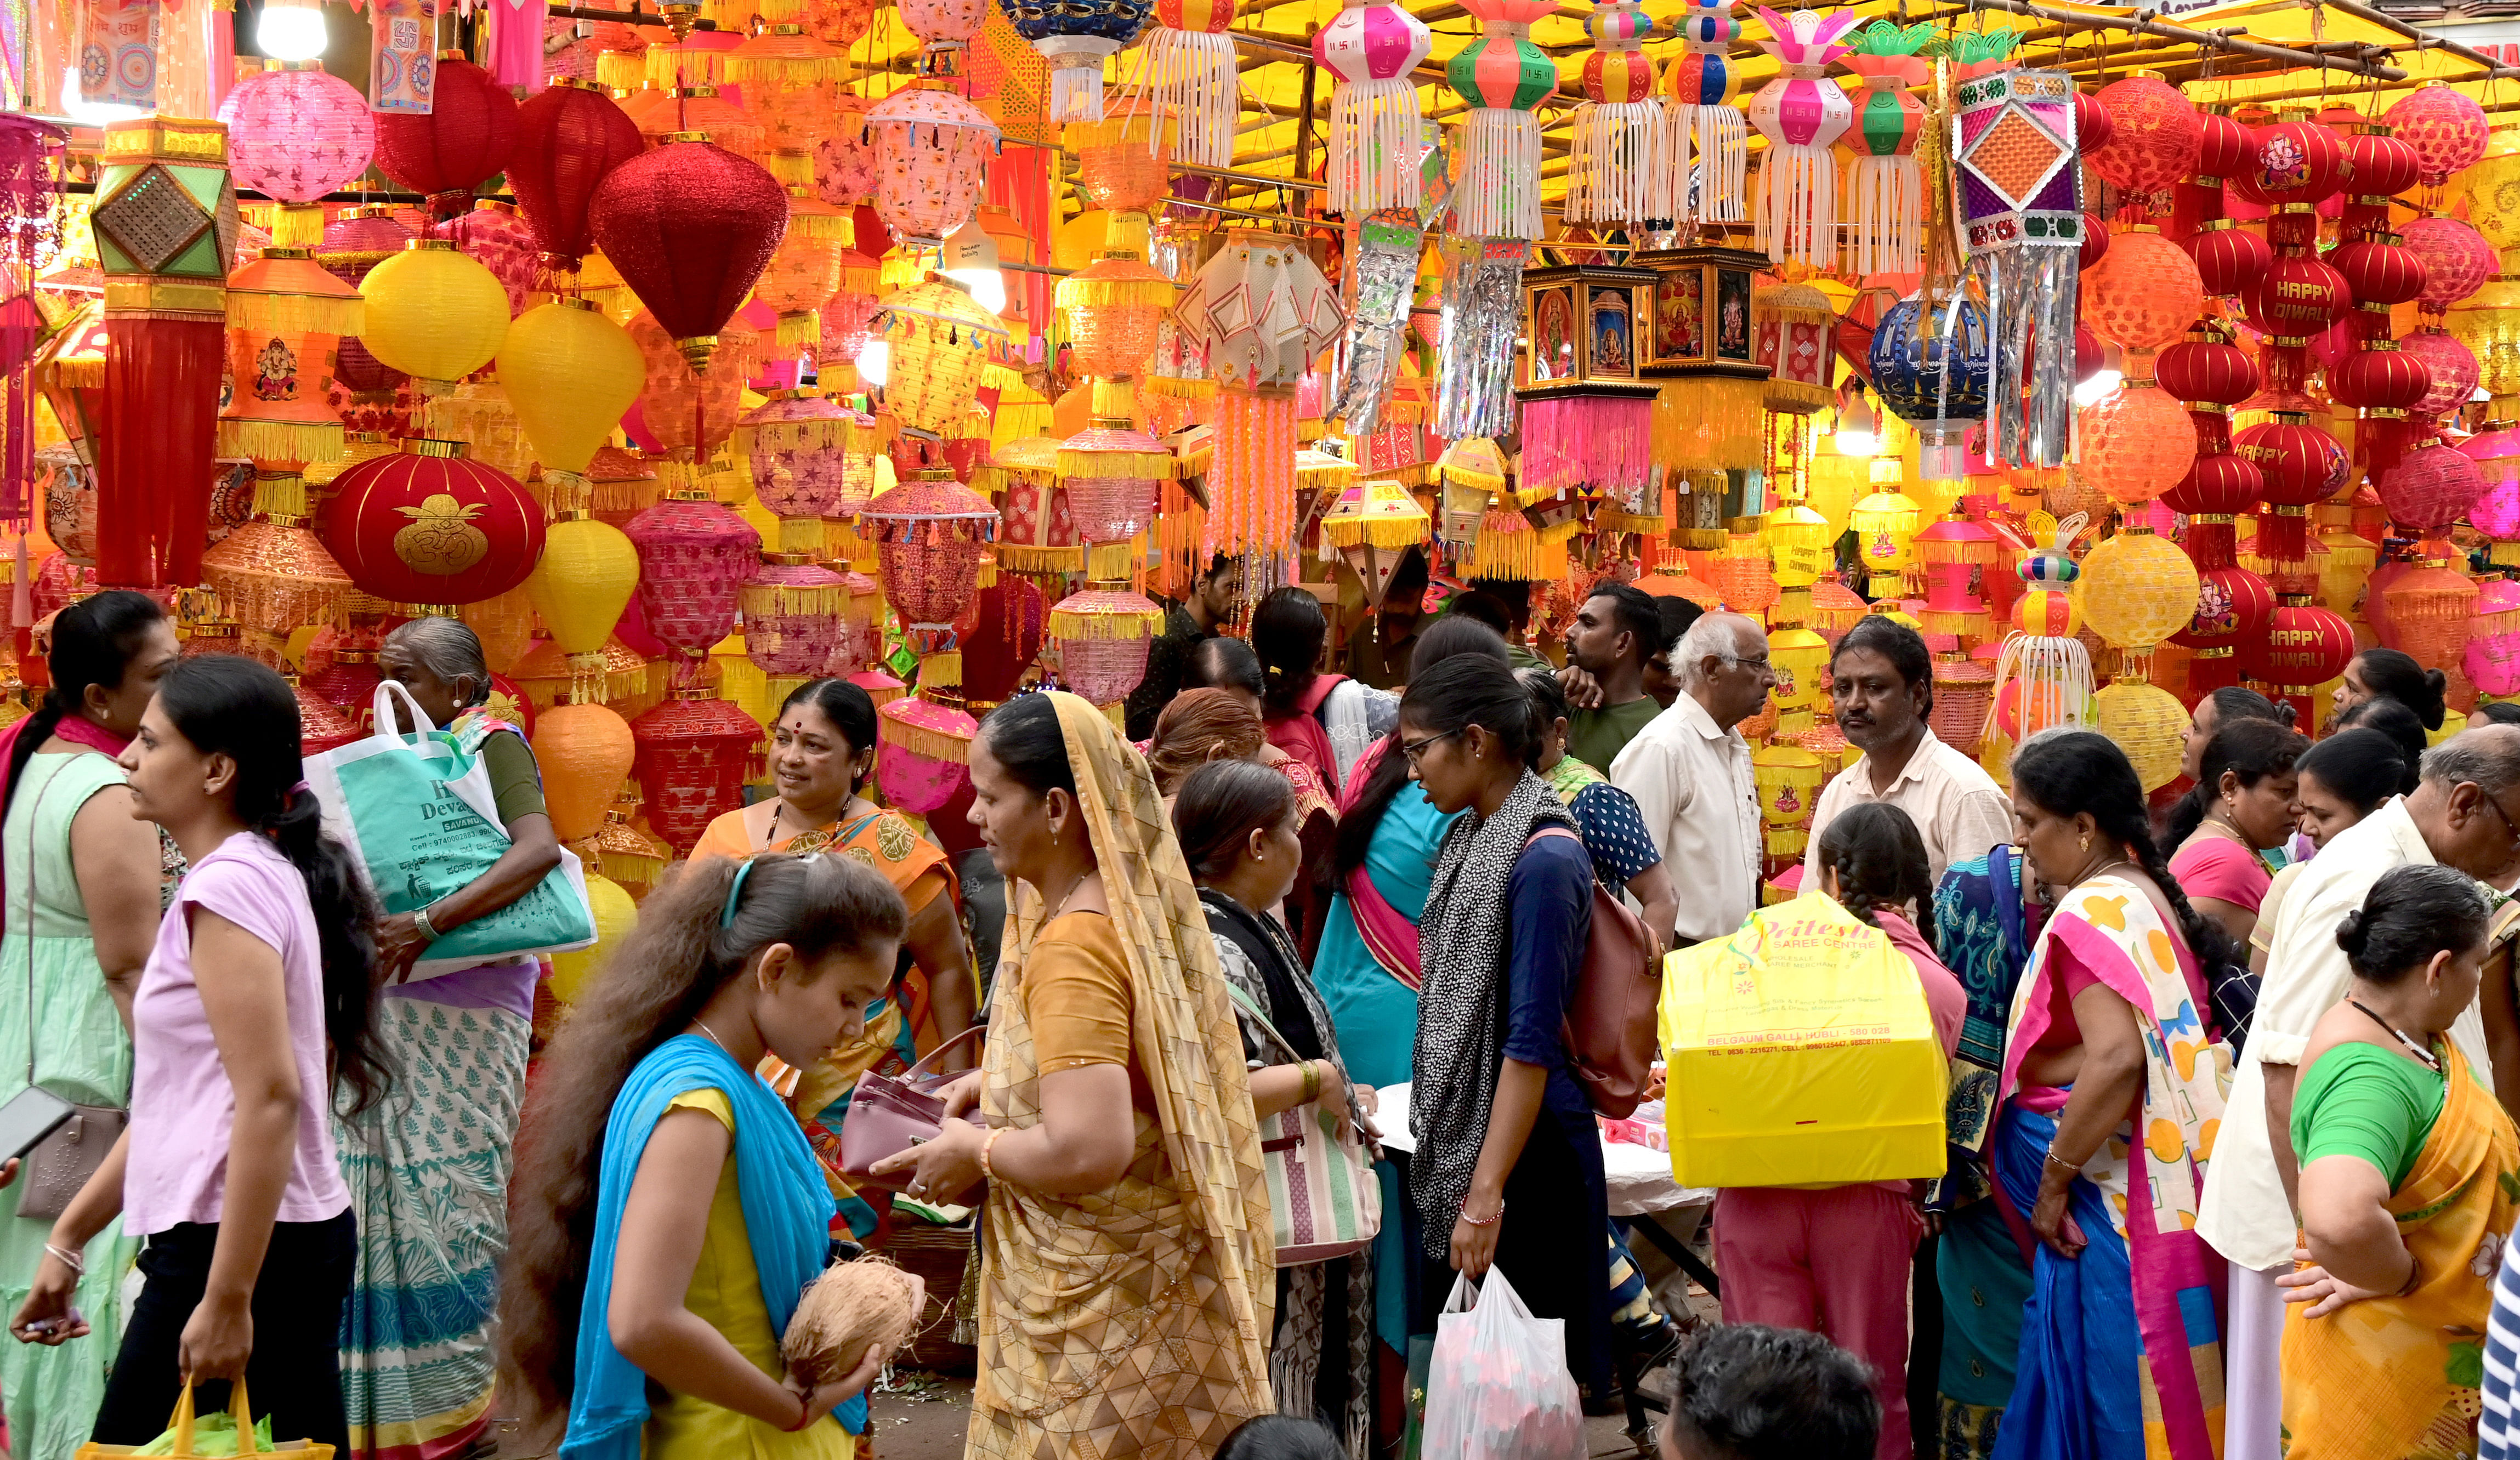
[2083, 772]
[1880, 863]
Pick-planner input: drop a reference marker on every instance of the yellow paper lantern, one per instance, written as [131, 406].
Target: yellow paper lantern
[1788, 780]
[1885, 525]
[585, 751]
[2138, 588]
[433, 314]
[2148, 723]
[583, 581]
[616, 917]
[2346, 568]
[1800, 540]
[570, 372]
[1800, 658]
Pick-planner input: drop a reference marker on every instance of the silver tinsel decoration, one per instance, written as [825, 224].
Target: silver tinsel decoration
[1474, 349]
[1383, 274]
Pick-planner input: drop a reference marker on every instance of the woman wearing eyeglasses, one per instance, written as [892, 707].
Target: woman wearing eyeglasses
[1508, 1163]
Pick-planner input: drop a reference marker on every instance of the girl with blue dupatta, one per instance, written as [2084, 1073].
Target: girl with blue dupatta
[664, 1246]
[2113, 1084]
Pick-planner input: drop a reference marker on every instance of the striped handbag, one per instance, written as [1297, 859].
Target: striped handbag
[1324, 1200]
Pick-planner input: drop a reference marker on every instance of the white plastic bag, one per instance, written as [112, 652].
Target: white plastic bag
[1496, 1385]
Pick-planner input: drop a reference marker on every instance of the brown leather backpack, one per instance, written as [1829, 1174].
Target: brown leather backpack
[1611, 1032]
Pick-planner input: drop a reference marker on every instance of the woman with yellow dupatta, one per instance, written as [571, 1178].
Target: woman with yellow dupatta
[2409, 1169]
[822, 750]
[1127, 1276]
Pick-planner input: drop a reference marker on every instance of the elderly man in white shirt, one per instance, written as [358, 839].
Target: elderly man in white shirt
[1882, 679]
[1690, 772]
[2460, 817]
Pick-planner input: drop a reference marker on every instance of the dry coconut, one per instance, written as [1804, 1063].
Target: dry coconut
[853, 1306]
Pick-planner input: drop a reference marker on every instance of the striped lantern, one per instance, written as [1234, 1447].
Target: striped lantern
[1374, 50]
[1710, 139]
[1503, 76]
[1619, 170]
[1889, 186]
[1189, 60]
[1802, 113]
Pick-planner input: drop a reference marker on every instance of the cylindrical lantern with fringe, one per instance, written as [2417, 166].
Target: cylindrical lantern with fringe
[1801, 112]
[1709, 150]
[1502, 76]
[1374, 144]
[1619, 169]
[1885, 188]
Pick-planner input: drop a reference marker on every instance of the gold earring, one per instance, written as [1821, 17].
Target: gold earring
[2086, 841]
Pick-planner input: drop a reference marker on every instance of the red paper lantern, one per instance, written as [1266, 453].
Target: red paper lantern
[692, 753]
[446, 152]
[2229, 256]
[2145, 294]
[2293, 456]
[695, 554]
[689, 227]
[2096, 242]
[2206, 366]
[2384, 382]
[570, 138]
[2431, 488]
[2305, 646]
[2223, 485]
[2092, 126]
[2297, 160]
[2224, 148]
[2154, 135]
[2456, 259]
[2297, 297]
[2384, 166]
[2452, 367]
[2233, 609]
[2379, 270]
[427, 526]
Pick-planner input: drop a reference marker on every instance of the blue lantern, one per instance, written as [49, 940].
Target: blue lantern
[1931, 369]
[1074, 36]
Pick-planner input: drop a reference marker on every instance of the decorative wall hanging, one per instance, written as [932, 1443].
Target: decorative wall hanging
[2022, 211]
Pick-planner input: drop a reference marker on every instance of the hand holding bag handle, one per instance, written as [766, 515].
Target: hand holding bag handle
[238, 1409]
[888, 1115]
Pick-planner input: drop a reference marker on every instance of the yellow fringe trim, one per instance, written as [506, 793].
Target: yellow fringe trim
[1325, 475]
[297, 314]
[942, 670]
[298, 226]
[1464, 477]
[1612, 519]
[1114, 399]
[1155, 463]
[824, 228]
[1080, 291]
[280, 494]
[1018, 558]
[1559, 532]
[918, 739]
[1517, 557]
[996, 376]
[781, 10]
[621, 71]
[1105, 563]
[79, 374]
[1308, 429]
[667, 67]
[792, 169]
[1794, 397]
[799, 327]
[788, 70]
[1522, 496]
[988, 576]
[1017, 419]
[787, 598]
[281, 440]
[1182, 387]
[1380, 532]
[1104, 625]
[803, 535]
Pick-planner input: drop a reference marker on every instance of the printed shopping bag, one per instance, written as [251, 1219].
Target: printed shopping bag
[1497, 1387]
[212, 1437]
[417, 814]
[1801, 1054]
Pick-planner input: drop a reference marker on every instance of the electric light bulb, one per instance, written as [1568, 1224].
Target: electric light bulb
[2102, 384]
[90, 113]
[1857, 429]
[874, 361]
[970, 257]
[293, 32]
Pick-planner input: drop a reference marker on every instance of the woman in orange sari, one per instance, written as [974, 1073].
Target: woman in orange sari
[821, 752]
[2408, 1171]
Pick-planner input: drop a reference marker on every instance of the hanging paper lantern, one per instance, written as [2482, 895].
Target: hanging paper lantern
[585, 752]
[1192, 75]
[1101, 635]
[2155, 136]
[1885, 526]
[931, 152]
[925, 760]
[2138, 588]
[2451, 366]
[1887, 210]
[1932, 371]
[2492, 658]
[2431, 488]
[2233, 609]
[1500, 76]
[2383, 384]
[2305, 646]
[1710, 137]
[1110, 472]
[2445, 127]
[427, 526]
[690, 416]
[272, 573]
[692, 753]
[1374, 144]
[1618, 168]
[1075, 37]
[2456, 260]
[1112, 308]
[571, 373]
[802, 272]
[1373, 525]
[570, 138]
[798, 448]
[1801, 112]
[689, 227]
[2429, 607]
[2148, 723]
[792, 613]
[580, 586]
[464, 139]
[2143, 295]
[293, 135]
[929, 534]
[284, 311]
[2022, 222]
[938, 338]
[695, 554]
[2227, 257]
[2137, 443]
[433, 314]
[2299, 165]
[2496, 512]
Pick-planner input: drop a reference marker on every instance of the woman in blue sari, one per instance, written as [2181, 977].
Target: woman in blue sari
[2112, 1090]
[706, 1206]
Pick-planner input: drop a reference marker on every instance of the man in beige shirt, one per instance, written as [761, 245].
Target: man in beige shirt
[1882, 680]
[1690, 772]
[2459, 817]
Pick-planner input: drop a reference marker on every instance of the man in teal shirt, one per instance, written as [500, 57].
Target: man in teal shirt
[1618, 629]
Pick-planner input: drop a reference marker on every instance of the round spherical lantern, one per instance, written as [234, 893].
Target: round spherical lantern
[933, 150]
[2145, 294]
[465, 137]
[689, 227]
[2297, 160]
[2452, 366]
[2154, 135]
[2431, 488]
[433, 314]
[582, 583]
[2229, 257]
[791, 614]
[2138, 588]
[2379, 270]
[2223, 146]
[2445, 127]
[2293, 457]
[571, 373]
[936, 337]
[585, 752]
[616, 917]
[2137, 443]
[2233, 609]
[2148, 723]
[1933, 373]
[2384, 164]
[1113, 307]
[2456, 259]
[570, 138]
[427, 526]
[293, 135]
[2296, 297]
[2208, 366]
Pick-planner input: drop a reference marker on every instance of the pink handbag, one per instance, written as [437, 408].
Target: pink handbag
[889, 1115]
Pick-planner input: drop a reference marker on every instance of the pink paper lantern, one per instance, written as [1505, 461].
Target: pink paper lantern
[2453, 365]
[2445, 127]
[501, 242]
[693, 752]
[297, 134]
[944, 21]
[929, 535]
[791, 614]
[2456, 259]
[844, 162]
[798, 449]
[2431, 488]
[1103, 654]
[2496, 512]
[693, 557]
[925, 752]
[2493, 657]
[933, 150]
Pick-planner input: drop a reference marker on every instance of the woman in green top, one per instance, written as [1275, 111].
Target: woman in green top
[83, 880]
[2408, 1171]
[427, 1169]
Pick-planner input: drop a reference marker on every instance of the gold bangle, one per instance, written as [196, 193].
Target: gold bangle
[985, 1147]
[1312, 1081]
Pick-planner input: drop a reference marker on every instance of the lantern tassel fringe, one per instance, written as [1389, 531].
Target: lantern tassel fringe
[280, 440]
[1117, 627]
[1600, 443]
[296, 314]
[827, 228]
[1889, 209]
[1392, 533]
[1373, 145]
[1499, 194]
[1707, 424]
[1080, 291]
[1076, 92]
[621, 71]
[1108, 561]
[1798, 205]
[799, 327]
[297, 226]
[1155, 463]
[1620, 170]
[1180, 387]
[79, 374]
[918, 739]
[1195, 76]
[1719, 139]
[1019, 558]
[788, 70]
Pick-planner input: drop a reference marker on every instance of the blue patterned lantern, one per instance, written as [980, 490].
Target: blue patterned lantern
[1931, 369]
[1075, 35]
